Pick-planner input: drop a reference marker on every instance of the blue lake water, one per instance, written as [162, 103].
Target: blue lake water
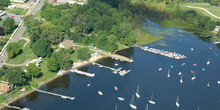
[144, 72]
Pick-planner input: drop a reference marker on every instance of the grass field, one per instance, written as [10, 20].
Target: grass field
[214, 10]
[19, 11]
[144, 37]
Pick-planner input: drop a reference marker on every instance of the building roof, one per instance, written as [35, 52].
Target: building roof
[67, 44]
[4, 87]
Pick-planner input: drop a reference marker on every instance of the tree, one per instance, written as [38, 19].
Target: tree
[2, 73]
[1, 31]
[83, 53]
[9, 22]
[65, 61]
[15, 75]
[32, 70]
[70, 50]
[5, 2]
[52, 64]
[218, 33]
[42, 48]
[13, 49]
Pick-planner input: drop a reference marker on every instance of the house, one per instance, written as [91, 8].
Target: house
[4, 87]
[19, 1]
[2, 13]
[11, 6]
[67, 44]
[217, 28]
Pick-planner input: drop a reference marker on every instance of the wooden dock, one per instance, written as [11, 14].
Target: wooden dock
[59, 95]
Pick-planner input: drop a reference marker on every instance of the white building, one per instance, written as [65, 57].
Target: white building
[11, 6]
[217, 28]
[19, 1]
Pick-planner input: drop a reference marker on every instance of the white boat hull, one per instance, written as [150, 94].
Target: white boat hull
[177, 104]
[193, 78]
[133, 106]
[137, 95]
[151, 102]
[181, 81]
[121, 99]
[218, 82]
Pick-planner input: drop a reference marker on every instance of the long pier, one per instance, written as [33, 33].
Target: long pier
[83, 73]
[59, 95]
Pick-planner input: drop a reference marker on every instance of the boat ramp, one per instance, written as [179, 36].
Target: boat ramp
[83, 73]
[115, 71]
[164, 53]
[59, 95]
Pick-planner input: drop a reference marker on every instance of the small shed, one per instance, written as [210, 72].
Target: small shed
[67, 44]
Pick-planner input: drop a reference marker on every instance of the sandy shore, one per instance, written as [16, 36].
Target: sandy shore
[92, 59]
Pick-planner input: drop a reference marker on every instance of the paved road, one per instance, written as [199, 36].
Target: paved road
[205, 11]
[21, 30]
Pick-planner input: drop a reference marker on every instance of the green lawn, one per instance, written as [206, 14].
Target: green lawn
[214, 10]
[20, 59]
[27, 49]
[19, 11]
[21, 43]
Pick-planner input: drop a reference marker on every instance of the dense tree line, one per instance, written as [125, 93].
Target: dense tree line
[87, 24]
[13, 49]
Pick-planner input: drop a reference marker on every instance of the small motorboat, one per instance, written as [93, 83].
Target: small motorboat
[180, 73]
[193, 78]
[218, 82]
[203, 69]
[116, 89]
[192, 71]
[171, 66]
[88, 84]
[121, 98]
[160, 69]
[195, 64]
[116, 64]
[208, 62]
[183, 64]
[100, 93]
[192, 49]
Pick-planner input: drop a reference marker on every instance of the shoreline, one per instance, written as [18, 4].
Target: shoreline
[92, 59]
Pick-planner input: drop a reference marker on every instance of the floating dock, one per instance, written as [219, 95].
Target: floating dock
[115, 71]
[59, 95]
[164, 53]
[83, 73]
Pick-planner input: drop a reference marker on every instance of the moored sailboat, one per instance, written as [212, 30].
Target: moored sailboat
[177, 102]
[151, 100]
[168, 75]
[181, 79]
[132, 103]
[137, 92]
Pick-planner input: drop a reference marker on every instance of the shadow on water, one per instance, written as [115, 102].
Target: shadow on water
[61, 82]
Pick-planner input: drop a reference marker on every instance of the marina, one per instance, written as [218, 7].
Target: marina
[164, 53]
[144, 73]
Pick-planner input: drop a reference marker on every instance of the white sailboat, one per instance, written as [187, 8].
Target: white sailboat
[137, 92]
[181, 79]
[146, 107]
[208, 62]
[208, 84]
[194, 77]
[177, 102]
[88, 84]
[151, 100]
[168, 75]
[132, 103]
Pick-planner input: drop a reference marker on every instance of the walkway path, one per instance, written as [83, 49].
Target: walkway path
[204, 10]
[28, 40]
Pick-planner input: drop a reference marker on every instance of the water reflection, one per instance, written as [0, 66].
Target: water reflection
[61, 82]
